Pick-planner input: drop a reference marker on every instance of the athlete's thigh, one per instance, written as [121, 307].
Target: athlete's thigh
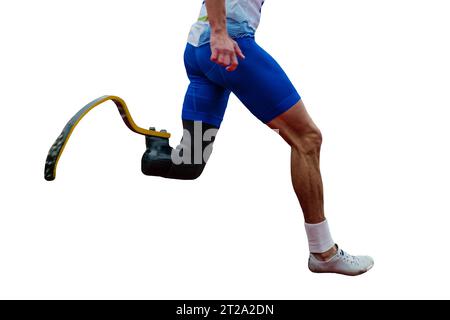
[260, 83]
[205, 100]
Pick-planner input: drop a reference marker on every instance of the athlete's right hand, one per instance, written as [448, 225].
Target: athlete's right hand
[225, 51]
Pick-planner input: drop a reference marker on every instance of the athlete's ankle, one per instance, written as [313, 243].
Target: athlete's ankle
[320, 240]
[327, 255]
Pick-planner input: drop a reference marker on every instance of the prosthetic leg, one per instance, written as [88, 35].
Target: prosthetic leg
[58, 146]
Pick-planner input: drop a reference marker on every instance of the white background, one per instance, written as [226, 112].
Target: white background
[375, 77]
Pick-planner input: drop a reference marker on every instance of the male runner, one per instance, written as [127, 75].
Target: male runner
[222, 57]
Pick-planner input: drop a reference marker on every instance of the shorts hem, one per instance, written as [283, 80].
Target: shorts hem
[201, 116]
[282, 107]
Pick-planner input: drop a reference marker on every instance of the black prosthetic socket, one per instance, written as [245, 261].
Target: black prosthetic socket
[188, 160]
[156, 160]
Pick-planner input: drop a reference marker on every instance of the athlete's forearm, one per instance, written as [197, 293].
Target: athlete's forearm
[217, 15]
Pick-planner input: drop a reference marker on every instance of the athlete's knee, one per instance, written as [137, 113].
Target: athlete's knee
[307, 141]
[185, 171]
[162, 162]
[188, 162]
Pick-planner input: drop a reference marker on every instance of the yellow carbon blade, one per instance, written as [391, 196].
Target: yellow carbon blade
[58, 146]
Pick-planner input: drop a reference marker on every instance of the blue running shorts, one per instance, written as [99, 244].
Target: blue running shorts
[259, 83]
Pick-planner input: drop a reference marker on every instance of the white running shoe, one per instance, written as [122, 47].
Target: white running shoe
[341, 263]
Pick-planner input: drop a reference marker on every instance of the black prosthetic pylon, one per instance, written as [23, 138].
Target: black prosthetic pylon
[157, 159]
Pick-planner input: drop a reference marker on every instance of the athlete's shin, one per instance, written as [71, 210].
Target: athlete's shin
[299, 131]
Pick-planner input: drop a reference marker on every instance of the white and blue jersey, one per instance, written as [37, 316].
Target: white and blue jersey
[243, 18]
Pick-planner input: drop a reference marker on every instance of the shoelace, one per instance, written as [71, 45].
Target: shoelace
[349, 258]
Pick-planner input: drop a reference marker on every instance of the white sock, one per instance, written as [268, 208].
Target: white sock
[319, 237]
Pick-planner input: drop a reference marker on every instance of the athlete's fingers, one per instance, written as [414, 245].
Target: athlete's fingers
[214, 55]
[238, 50]
[224, 60]
[220, 59]
[234, 63]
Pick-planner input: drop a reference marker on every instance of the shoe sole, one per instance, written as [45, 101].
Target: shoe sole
[344, 274]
